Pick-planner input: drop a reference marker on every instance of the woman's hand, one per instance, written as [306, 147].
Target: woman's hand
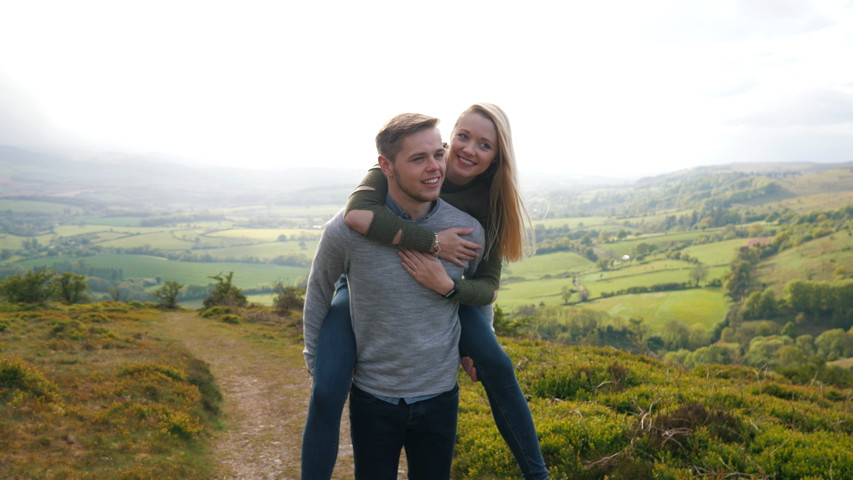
[456, 249]
[468, 365]
[427, 270]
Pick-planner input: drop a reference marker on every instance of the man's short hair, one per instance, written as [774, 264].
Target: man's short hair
[389, 140]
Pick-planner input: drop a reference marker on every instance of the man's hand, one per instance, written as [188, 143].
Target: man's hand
[456, 249]
[468, 365]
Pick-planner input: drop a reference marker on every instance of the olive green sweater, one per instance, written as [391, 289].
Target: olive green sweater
[472, 198]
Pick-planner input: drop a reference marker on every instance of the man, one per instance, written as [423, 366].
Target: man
[404, 392]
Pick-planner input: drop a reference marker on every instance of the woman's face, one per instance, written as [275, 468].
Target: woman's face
[473, 148]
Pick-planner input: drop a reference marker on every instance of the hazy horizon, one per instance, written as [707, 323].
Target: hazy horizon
[618, 89]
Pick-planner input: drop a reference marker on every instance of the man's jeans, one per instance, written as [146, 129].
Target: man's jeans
[426, 429]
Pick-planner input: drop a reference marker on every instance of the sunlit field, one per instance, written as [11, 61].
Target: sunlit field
[703, 307]
[190, 273]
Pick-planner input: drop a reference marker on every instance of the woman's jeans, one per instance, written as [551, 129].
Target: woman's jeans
[509, 407]
[333, 364]
[334, 360]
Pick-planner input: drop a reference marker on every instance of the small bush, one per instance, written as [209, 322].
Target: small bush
[225, 293]
[16, 376]
[288, 299]
[231, 318]
[216, 311]
[142, 368]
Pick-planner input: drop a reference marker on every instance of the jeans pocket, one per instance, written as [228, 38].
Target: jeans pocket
[450, 395]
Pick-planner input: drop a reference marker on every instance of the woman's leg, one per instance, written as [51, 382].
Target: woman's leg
[333, 364]
[509, 407]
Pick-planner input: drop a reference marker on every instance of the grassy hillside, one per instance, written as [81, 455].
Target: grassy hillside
[94, 391]
[601, 413]
[83, 384]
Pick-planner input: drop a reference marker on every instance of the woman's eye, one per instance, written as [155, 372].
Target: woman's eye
[485, 146]
[463, 136]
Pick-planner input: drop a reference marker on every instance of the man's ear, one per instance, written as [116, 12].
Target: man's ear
[386, 166]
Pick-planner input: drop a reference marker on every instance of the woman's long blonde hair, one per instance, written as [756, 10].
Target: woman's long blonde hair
[509, 231]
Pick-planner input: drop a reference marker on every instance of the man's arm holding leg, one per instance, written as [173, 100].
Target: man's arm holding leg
[326, 269]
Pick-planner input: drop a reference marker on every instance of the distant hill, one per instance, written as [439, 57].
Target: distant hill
[117, 179]
[123, 180]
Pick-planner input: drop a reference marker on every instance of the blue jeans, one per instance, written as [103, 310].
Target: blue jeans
[335, 359]
[426, 429]
[509, 407]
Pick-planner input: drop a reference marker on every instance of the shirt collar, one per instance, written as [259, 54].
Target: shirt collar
[396, 209]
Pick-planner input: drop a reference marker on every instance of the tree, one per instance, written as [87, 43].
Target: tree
[698, 274]
[739, 278]
[168, 294]
[30, 287]
[115, 293]
[566, 294]
[288, 298]
[675, 335]
[225, 293]
[763, 349]
[510, 328]
[70, 288]
[834, 344]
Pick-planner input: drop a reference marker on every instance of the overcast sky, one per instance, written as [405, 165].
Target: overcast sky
[591, 87]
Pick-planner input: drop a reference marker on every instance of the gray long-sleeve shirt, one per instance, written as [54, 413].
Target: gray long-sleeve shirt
[407, 336]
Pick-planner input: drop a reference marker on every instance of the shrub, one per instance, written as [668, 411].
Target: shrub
[215, 311]
[225, 293]
[168, 294]
[30, 287]
[144, 368]
[16, 376]
[288, 299]
[70, 288]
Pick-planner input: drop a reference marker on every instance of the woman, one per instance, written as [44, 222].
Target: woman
[480, 180]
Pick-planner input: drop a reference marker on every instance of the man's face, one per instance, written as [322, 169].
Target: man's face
[418, 171]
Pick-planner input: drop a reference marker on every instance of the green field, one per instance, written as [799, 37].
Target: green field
[625, 247]
[189, 273]
[553, 264]
[814, 260]
[573, 222]
[34, 206]
[268, 251]
[11, 242]
[78, 229]
[267, 234]
[717, 253]
[704, 307]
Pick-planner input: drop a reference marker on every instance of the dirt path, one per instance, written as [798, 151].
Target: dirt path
[266, 392]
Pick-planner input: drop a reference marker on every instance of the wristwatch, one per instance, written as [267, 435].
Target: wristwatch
[452, 291]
